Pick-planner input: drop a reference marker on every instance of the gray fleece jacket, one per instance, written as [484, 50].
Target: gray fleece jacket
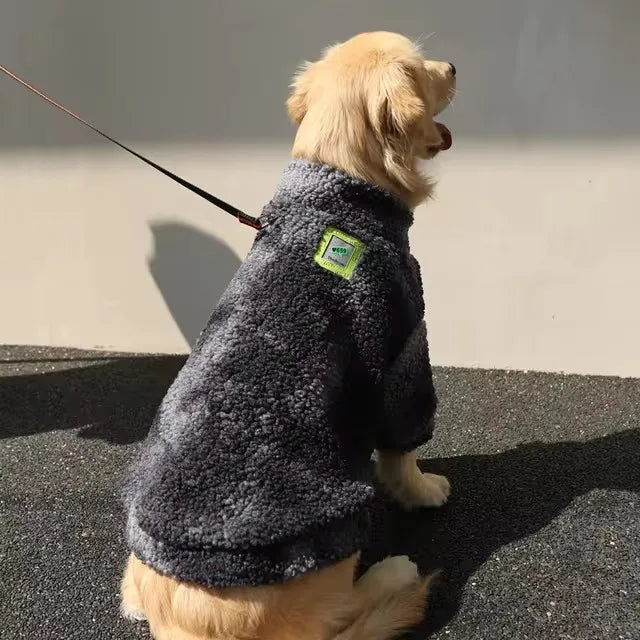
[257, 466]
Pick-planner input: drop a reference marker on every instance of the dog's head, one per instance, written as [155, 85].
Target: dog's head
[368, 107]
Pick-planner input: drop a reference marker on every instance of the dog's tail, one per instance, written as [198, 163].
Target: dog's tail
[395, 613]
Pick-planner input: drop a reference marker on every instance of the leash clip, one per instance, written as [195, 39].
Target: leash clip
[250, 221]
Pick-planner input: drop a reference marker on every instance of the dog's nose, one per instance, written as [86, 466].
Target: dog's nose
[452, 68]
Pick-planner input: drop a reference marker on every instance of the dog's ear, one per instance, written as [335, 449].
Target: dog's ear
[400, 119]
[297, 104]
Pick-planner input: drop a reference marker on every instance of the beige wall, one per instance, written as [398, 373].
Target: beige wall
[530, 253]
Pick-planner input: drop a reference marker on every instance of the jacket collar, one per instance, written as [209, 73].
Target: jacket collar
[308, 188]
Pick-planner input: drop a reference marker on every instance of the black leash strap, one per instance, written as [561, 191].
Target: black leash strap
[225, 206]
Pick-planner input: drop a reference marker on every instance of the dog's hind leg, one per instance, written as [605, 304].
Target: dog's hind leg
[131, 603]
[391, 598]
[385, 577]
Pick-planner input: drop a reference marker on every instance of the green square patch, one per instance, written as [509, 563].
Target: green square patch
[339, 252]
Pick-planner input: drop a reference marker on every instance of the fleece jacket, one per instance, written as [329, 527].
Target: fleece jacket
[257, 465]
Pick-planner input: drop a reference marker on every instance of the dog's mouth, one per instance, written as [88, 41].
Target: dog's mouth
[445, 134]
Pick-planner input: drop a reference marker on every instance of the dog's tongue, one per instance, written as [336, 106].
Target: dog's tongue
[447, 138]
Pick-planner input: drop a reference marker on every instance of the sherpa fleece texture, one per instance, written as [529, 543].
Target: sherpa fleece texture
[257, 466]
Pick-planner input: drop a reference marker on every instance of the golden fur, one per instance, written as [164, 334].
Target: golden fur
[323, 605]
[367, 108]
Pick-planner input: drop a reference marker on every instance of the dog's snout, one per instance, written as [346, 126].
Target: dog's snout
[452, 69]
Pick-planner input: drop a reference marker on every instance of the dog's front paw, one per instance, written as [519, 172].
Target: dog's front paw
[421, 490]
[432, 491]
[407, 485]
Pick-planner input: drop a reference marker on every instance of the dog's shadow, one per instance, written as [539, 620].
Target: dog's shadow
[108, 397]
[498, 499]
[192, 269]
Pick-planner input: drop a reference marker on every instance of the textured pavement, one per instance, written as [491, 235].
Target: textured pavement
[541, 539]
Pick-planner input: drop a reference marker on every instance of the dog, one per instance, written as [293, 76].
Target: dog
[248, 505]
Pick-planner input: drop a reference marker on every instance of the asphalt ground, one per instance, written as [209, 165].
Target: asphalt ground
[541, 539]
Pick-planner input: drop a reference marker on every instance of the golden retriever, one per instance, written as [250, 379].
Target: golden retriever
[367, 108]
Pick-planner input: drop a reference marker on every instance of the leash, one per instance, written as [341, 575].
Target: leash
[242, 217]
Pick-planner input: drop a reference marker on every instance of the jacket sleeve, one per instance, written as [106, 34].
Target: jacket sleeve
[408, 396]
[391, 345]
